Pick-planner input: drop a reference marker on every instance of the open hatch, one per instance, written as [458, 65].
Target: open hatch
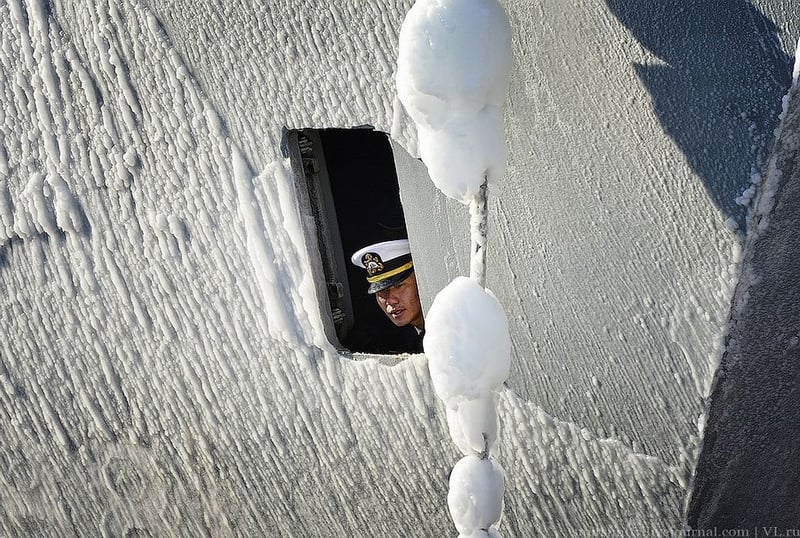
[348, 191]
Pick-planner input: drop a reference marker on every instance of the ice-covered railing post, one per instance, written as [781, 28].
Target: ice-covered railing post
[452, 78]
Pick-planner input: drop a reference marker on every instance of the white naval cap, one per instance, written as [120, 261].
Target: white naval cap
[387, 263]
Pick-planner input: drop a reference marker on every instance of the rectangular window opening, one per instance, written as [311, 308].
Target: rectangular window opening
[347, 186]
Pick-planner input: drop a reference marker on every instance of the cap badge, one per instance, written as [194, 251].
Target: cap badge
[372, 262]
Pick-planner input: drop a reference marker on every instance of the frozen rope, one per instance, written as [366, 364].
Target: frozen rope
[478, 223]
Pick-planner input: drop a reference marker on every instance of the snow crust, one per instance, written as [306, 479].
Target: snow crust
[153, 284]
[453, 71]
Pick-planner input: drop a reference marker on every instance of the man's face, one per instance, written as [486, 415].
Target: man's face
[401, 303]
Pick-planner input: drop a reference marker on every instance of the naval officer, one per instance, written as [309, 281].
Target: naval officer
[390, 274]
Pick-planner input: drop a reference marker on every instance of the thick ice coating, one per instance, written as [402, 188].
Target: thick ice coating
[467, 342]
[475, 498]
[452, 77]
[473, 424]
